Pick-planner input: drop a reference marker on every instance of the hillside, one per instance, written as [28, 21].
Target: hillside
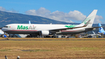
[8, 18]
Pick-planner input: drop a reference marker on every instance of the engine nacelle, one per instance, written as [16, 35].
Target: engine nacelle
[45, 32]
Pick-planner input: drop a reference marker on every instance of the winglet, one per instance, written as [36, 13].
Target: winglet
[29, 22]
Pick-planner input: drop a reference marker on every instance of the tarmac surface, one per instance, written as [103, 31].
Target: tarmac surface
[50, 39]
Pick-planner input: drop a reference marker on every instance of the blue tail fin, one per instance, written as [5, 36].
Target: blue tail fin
[29, 22]
[101, 30]
[99, 25]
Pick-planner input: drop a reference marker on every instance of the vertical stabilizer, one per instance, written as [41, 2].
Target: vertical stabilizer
[88, 22]
[101, 30]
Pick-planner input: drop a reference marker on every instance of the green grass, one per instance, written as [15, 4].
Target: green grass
[5, 50]
[36, 50]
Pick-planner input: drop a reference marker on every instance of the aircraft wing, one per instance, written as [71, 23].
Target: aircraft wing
[60, 29]
[88, 29]
[63, 29]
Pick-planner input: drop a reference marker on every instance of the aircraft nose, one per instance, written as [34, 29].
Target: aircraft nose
[3, 29]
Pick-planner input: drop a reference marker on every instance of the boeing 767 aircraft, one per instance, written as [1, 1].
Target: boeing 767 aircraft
[51, 29]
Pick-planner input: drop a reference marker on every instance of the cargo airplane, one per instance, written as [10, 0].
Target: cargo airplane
[51, 29]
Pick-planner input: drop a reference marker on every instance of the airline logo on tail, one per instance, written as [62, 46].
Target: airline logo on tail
[90, 19]
[87, 20]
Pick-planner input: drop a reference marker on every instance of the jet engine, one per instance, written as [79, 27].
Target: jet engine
[45, 32]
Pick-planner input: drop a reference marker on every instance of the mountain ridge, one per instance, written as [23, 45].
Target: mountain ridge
[8, 18]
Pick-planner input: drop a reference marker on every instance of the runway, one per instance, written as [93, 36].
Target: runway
[51, 39]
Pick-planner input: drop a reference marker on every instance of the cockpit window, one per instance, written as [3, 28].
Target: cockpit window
[5, 26]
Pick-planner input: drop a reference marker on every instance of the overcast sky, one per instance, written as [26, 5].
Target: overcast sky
[72, 11]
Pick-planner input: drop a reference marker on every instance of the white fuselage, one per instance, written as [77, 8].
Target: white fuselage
[36, 28]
